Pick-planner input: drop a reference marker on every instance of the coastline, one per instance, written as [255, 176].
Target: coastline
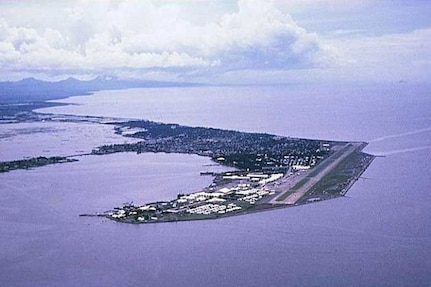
[131, 214]
[253, 167]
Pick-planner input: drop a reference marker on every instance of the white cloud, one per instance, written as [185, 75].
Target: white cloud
[402, 56]
[212, 40]
[362, 60]
[148, 37]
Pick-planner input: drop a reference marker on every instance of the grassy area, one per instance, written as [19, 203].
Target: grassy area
[284, 196]
[316, 170]
[300, 183]
[297, 186]
[336, 181]
[339, 178]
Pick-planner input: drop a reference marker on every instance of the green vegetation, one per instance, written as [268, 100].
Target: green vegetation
[266, 167]
[32, 162]
[246, 151]
[339, 179]
[259, 159]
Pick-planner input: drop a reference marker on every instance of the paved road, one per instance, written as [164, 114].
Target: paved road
[293, 193]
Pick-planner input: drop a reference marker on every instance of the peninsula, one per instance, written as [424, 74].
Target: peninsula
[268, 171]
[32, 162]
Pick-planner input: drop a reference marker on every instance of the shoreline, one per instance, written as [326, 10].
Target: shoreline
[263, 163]
[131, 214]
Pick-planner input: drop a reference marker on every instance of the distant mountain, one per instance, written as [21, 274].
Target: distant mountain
[33, 90]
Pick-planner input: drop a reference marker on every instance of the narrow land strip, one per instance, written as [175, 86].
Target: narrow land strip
[302, 184]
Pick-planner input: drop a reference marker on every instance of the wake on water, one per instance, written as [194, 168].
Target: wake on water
[400, 135]
[392, 152]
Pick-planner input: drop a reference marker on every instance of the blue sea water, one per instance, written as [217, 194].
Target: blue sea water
[379, 235]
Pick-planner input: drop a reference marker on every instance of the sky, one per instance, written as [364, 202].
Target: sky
[217, 41]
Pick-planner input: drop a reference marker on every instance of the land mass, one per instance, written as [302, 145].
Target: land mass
[32, 162]
[269, 171]
[33, 90]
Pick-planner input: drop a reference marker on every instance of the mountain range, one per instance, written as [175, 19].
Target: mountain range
[33, 90]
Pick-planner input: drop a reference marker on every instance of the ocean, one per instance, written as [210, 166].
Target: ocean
[378, 235]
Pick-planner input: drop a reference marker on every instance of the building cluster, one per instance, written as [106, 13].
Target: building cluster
[260, 159]
[210, 208]
[241, 190]
[246, 151]
[253, 195]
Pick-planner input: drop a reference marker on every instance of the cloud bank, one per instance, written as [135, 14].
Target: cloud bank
[146, 38]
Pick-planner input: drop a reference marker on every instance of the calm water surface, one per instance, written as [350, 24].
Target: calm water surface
[33, 139]
[379, 235]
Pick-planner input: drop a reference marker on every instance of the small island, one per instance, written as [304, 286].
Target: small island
[268, 171]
